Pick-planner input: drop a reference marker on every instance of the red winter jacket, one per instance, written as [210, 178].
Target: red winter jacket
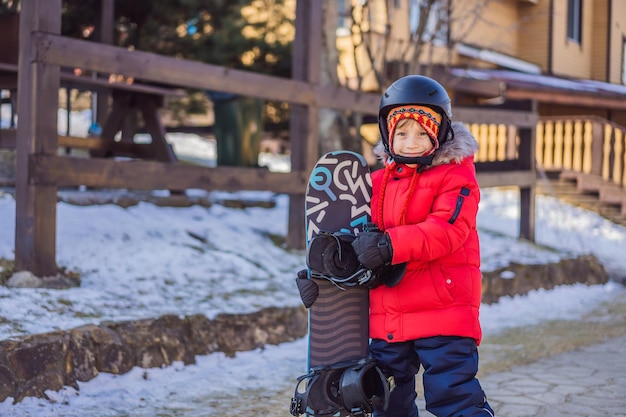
[441, 289]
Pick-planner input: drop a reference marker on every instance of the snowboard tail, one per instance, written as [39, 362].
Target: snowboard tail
[338, 325]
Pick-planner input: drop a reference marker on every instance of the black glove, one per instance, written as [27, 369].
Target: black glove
[373, 249]
[308, 288]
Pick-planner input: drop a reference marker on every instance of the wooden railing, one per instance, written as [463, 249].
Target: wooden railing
[589, 150]
[583, 144]
[495, 142]
[580, 144]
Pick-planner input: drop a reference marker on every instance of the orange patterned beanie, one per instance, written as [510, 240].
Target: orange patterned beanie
[429, 119]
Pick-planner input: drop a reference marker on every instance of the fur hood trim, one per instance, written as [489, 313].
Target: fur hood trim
[462, 146]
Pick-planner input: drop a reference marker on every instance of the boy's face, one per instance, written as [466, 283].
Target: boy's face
[410, 139]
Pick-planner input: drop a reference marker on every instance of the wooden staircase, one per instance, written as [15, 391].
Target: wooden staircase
[584, 161]
[590, 192]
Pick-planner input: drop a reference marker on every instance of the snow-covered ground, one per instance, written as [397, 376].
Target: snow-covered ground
[140, 262]
[146, 261]
[143, 261]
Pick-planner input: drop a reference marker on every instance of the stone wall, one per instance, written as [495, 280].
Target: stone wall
[517, 279]
[30, 365]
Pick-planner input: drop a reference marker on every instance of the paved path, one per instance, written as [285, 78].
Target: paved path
[586, 382]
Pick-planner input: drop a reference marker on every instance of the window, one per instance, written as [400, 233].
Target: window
[437, 24]
[574, 20]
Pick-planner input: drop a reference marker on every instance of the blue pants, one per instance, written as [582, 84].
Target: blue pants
[450, 385]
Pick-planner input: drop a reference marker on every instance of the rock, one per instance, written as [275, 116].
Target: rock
[81, 358]
[7, 383]
[203, 335]
[37, 364]
[157, 342]
[24, 279]
[112, 355]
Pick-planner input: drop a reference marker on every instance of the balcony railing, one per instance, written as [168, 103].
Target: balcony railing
[588, 149]
[583, 144]
[578, 144]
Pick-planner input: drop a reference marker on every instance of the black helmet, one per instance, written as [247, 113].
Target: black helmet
[417, 90]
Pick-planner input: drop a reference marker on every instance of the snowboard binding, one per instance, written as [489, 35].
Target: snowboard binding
[355, 387]
[331, 256]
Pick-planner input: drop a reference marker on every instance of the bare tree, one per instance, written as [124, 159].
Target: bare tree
[335, 131]
[399, 37]
[380, 41]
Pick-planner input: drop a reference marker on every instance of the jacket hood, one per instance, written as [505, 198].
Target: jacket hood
[462, 146]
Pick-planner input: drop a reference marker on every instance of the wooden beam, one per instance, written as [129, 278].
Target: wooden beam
[81, 143]
[8, 141]
[149, 109]
[480, 88]
[7, 138]
[152, 67]
[81, 82]
[505, 179]
[495, 116]
[498, 166]
[567, 98]
[38, 88]
[65, 171]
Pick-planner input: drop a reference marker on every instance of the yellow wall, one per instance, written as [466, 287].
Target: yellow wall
[497, 28]
[534, 42]
[599, 43]
[569, 58]
[618, 31]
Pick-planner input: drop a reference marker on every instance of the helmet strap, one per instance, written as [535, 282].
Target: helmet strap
[420, 160]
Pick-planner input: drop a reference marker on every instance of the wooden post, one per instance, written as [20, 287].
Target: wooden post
[304, 124]
[38, 90]
[527, 194]
[149, 104]
[104, 34]
[597, 146]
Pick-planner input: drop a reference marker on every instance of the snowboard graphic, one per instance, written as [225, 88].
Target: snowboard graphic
[340, 381]
[337, 200]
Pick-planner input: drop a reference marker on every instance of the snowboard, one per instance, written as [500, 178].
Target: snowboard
[337, 201]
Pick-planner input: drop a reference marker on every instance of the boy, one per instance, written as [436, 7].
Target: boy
[425, 202]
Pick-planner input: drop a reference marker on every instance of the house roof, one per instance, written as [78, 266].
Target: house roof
[549, 88]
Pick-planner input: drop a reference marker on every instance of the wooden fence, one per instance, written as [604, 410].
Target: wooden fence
[40, 170]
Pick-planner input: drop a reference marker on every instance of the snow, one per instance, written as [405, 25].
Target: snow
[140, 262]
[144, 261]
